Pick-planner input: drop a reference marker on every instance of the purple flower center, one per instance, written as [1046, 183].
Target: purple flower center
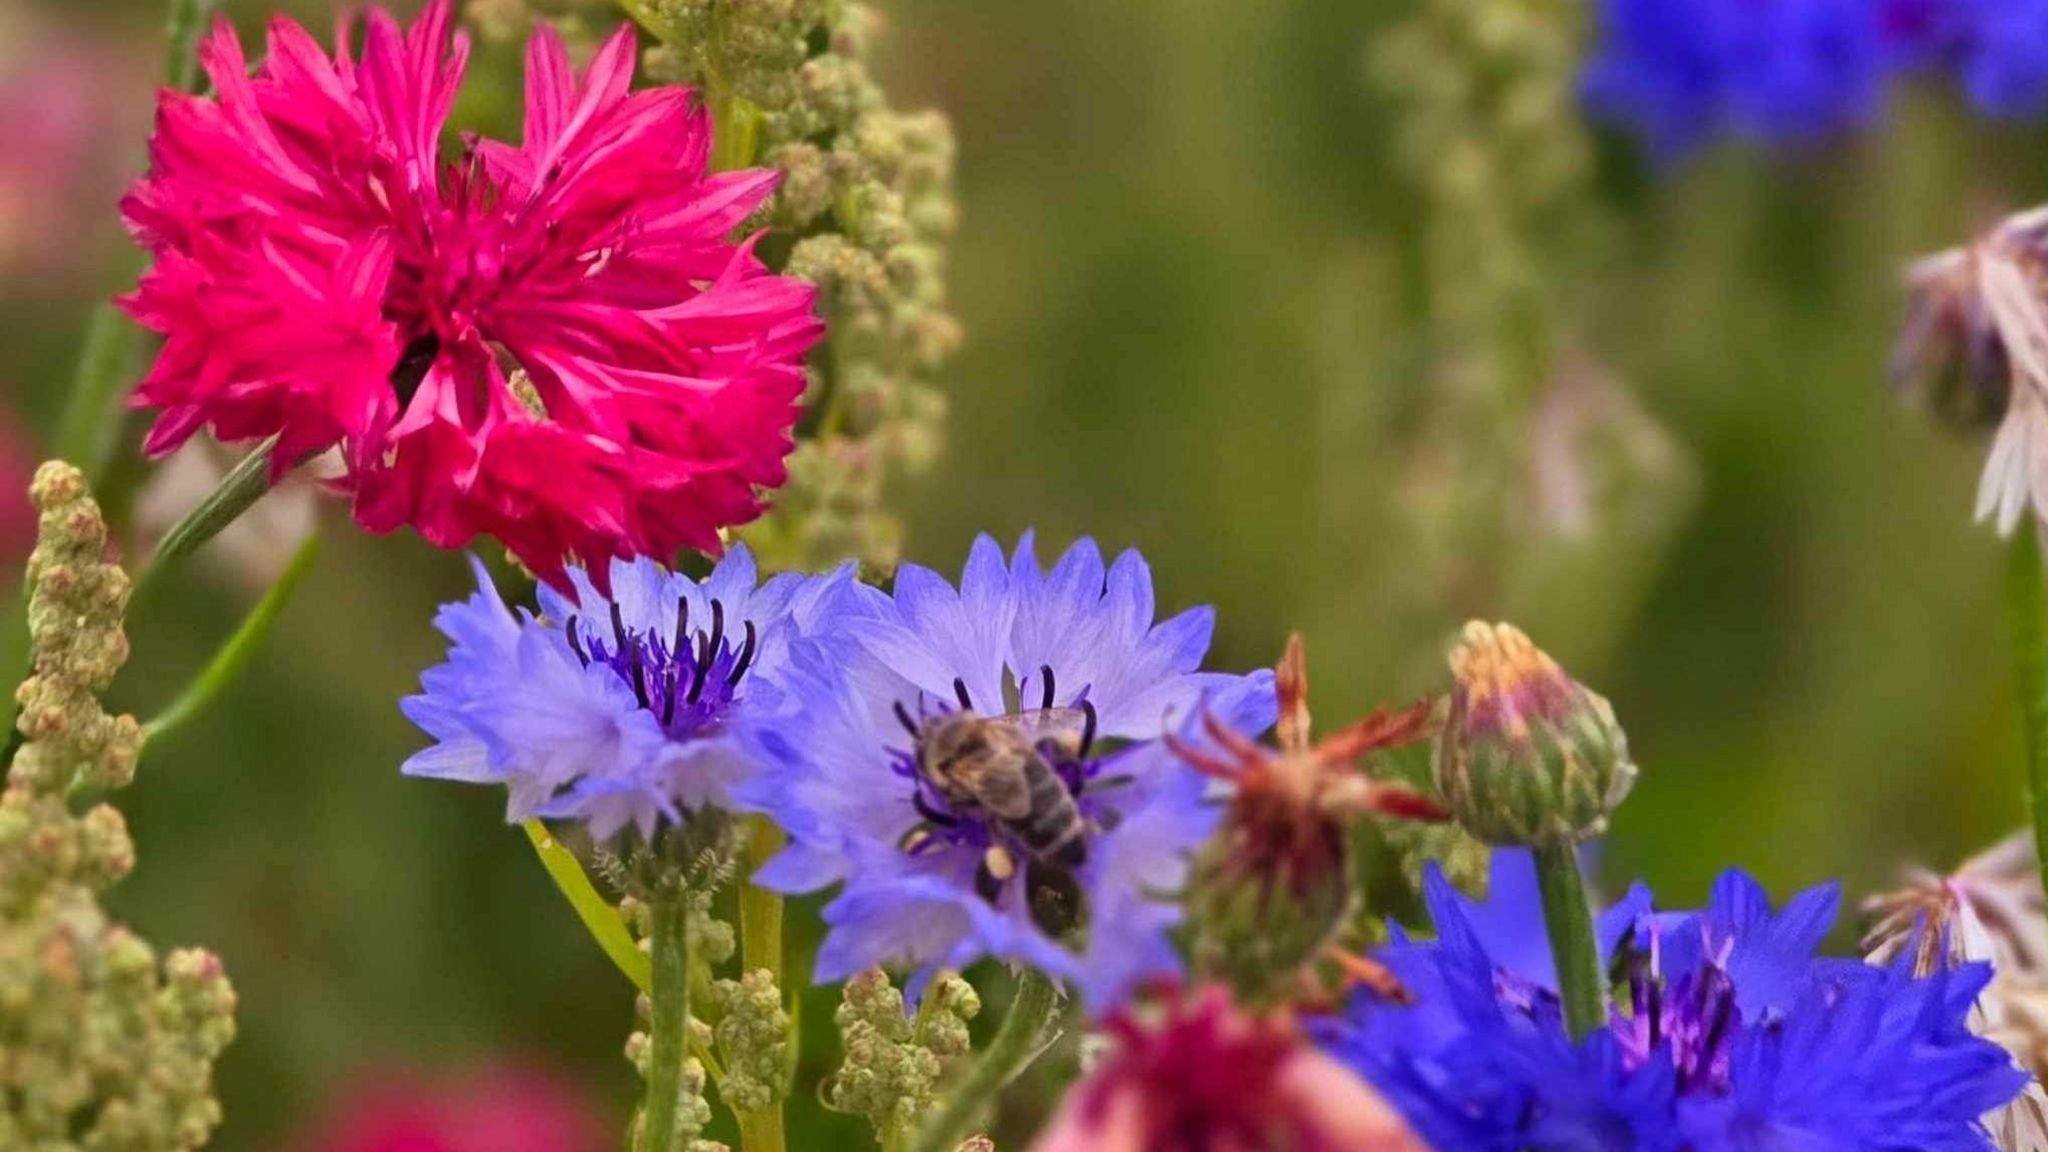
[687, 680]
[1693, 1019]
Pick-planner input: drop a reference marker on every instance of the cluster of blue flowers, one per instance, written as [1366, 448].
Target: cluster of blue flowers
[817, 700]
[1680, 73]
[1735, 1035]
[805, 698]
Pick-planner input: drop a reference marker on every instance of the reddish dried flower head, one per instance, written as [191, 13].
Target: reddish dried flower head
[1205, 1076]
[1291, 805]
[320, 273]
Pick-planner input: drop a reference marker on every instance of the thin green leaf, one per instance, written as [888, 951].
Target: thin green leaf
[244, 484]
[2026, 607]
[234, 656]
[600, 919]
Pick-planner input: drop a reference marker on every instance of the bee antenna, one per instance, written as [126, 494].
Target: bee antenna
[960, 690]
[746, 659]
[1045, 700]
[903, 718]
[1088, 727]
[576, 642]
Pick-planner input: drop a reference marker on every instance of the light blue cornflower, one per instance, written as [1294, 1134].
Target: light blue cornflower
[932, 879]
[620, 710]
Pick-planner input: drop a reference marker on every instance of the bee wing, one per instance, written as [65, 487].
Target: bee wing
[1045, 723]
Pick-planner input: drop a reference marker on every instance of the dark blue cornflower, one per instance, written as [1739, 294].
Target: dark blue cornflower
[620, 710]
[933, 874]
[1680, 73]
[1730, 1036]
[1999, 49]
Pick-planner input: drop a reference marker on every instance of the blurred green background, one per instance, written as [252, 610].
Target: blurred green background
[1188, 275]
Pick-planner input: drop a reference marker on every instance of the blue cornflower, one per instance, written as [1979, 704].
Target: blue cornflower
[1679, 73]
[1732, 1035]
[933, 874]
[623, 709]
[2000, 52]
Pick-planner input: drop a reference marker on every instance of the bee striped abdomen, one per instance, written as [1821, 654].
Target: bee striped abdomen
[1052, 830]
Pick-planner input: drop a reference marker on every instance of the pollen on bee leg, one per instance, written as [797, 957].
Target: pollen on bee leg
[998, 863]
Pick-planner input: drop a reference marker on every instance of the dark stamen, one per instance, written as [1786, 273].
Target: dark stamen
[717, 624]
[746, 659]
[668, 710]
[637, 666]
[414, 362]
[960, 690]
[619, 627]
[1723, 1009]
[1654, 992]
[1088, 728]
[929, 812]
[702, 669]
[682, 622]
[576, 643]
[1045, 670]
[903, 718]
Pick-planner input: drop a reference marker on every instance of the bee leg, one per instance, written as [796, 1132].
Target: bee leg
[1057, 903]
[997, 866]
[925, 809]
[914, 840]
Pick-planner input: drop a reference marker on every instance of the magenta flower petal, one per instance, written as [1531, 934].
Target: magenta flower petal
[322, 272]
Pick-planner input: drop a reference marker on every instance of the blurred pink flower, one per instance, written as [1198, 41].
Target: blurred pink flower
[504, 1109]
[1206, 1076]
[319, 273]
[67, 122]
[18, 459]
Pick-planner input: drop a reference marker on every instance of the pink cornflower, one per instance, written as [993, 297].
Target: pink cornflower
[1206, 1076]
[322, 274]
[509, 1108]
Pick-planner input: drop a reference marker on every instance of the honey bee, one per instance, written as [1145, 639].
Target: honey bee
[998, 768]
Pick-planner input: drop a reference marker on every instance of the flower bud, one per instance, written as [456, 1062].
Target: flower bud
[1528, 756]
[753, 1034]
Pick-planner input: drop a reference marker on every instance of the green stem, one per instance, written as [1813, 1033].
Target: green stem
[735, 129]
[2026, 613]
[761, 947]
[670, 1029]
[244, 484]
[1017, 1043]
[188, 20]
[600, 919]
[1572, 943]
[760, 909]
[234, 656]
[85, 433]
